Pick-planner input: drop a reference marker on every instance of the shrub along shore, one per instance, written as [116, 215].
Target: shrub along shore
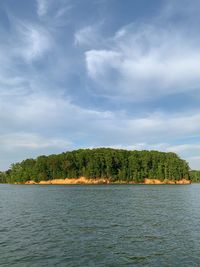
[100, 165]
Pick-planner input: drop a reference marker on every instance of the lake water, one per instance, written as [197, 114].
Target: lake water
[100, 225]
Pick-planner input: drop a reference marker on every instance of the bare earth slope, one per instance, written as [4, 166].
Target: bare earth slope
[83, 180]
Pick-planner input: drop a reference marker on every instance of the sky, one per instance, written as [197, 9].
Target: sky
[99, 73]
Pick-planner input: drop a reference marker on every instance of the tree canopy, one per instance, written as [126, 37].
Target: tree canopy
[195, 176]
[113, 164]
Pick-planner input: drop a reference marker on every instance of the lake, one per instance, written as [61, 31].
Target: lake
[100, 225]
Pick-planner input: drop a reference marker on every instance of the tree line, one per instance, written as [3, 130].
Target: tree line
[113, 164]
[195, 176]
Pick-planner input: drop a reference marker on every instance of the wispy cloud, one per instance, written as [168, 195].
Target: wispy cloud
[53, 12]
[33, 41]
[89, 36]
[42, 7]
[146, 62]
[57, 84]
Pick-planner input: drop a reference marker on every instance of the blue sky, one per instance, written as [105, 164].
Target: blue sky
[93, 73]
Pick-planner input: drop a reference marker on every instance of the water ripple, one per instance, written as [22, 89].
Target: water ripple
[109, 225]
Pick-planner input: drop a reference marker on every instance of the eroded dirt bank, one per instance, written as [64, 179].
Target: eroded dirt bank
[83, 180]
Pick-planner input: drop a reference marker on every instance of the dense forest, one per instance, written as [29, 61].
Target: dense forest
[113, 164]
[195, 176]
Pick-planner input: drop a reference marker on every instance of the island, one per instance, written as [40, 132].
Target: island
[100, 166]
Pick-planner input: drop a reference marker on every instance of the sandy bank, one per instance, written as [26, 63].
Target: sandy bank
[156, 181]
[83, 180]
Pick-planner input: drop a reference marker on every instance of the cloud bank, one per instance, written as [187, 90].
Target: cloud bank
[70, 80]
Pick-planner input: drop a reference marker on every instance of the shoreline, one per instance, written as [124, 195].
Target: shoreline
[83, 180]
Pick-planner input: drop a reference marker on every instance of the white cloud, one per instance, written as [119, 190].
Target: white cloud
[101, 63]
[30, 141]
[42, 7]
[137, 63]
[146, 62]
[185, 147]
[33, 41]
[53, 115]
[60, 125]
[54, 13]
[18, 146]
[190, 152]
[194, 162]
[88, 36]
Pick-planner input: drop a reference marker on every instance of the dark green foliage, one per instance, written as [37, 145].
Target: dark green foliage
[2, 178]
[113, 164]
[195, 176]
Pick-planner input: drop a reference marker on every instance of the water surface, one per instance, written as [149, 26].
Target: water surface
[100, 225]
